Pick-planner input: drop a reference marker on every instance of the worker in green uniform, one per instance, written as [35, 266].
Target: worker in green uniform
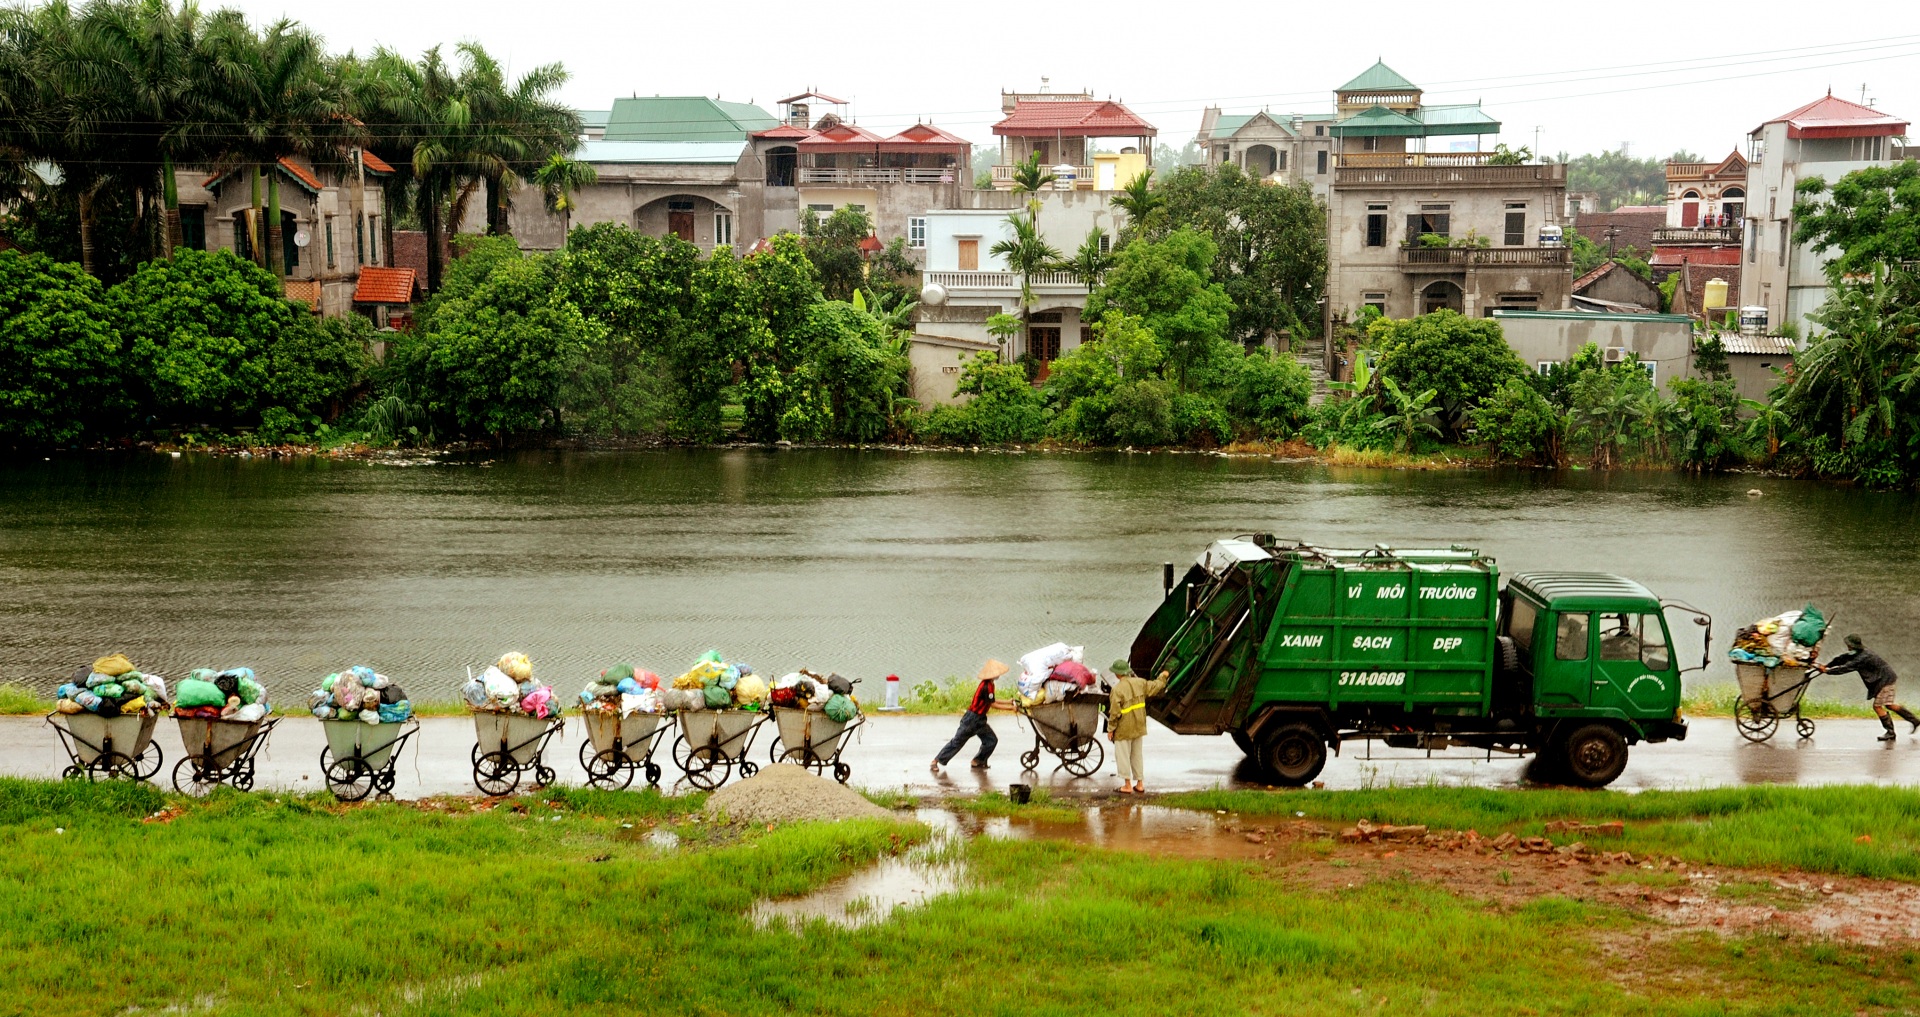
[1127, 723]
[1880, 681]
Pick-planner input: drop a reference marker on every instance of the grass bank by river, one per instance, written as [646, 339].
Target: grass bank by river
[117, 896]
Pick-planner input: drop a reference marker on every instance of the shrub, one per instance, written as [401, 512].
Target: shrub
[1004, 408]
[1517, 424]
[1463, 359]
[1142, 413]
[1270, 396]
[60, 362]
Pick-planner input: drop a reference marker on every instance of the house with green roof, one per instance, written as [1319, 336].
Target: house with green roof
[1277, 147]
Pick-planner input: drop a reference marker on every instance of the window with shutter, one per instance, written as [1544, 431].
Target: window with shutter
[1321, 162]
[1516, 229]
[1377, 229]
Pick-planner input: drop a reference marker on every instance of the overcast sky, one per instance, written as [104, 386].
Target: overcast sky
[1588, 76]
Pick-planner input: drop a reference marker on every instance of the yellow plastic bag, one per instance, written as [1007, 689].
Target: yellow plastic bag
[113, 665]
[516, 665]
[697, 678]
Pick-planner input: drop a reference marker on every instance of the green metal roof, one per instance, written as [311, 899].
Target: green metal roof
[593, 117]
[1227, 124]
[1379, 78]
[684, 118]
[1574, 589]
[1378, 122]
[1464, 119]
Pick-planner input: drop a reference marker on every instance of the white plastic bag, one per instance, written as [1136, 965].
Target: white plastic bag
[500, 688]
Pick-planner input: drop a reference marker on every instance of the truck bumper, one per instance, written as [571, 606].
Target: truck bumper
[1664, 730]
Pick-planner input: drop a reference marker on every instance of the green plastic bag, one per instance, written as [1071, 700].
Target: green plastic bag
[840, 708]
[194, 692]
[717, 697]
[1811, 627]
[251, 692]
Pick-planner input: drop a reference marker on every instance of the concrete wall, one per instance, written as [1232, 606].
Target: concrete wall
[1753, 373]
[937, 362]
[1664, 339]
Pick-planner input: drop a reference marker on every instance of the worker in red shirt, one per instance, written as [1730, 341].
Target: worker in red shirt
[973, 723]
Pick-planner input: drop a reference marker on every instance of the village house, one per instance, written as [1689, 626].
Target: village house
[1064, 129]
[332, 228]
[1413, 229]
[1829, 138]
[1287, 148]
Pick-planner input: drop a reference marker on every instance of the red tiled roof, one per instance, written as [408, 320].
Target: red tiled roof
[842, 136]
[784, 131]
[374, 163]
[384, 286]
[927, 134]
[1828, 117]
[1088, 118]
[302, 174]
[305, 292]
[1594, 276]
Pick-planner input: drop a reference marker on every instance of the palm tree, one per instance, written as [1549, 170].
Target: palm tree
[1090, 262]
[1027, 253]
[514, 131]
[1140, 202]
[557, 179]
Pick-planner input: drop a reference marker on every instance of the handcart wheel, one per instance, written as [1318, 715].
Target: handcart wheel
[605, 769]
[147, 763]
[1029, 759]
[190, 779]
[1803, 727]
[653, 773]
[544, 777]
[243, 776]
[326, 758]
[748, 769]
[474, 753]
[111, 765]
[777, 752]
[72, 772]
[350, 779]
[383, 783]
[1753, 727]
[495, 774]
[682, 753]
[702, 764]
[1087, 761]
[841, 772]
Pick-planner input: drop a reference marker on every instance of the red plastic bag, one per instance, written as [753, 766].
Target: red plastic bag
[1073, 671]
[785, 697]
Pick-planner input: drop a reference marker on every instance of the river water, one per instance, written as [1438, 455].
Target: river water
[865, 562]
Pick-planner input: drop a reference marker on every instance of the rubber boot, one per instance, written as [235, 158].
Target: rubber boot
[1907, 715]
[1887, 722]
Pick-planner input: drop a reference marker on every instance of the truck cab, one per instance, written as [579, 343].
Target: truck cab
[1588, 644]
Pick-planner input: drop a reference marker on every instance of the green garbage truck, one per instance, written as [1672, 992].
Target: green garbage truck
[1293, 649]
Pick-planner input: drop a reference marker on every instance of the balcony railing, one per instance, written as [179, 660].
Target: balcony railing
[1697, 235]
[877, 175]
[1004, 280]
[1003, 176]
[1429, 172]
[1461, 257]
[1377, 160]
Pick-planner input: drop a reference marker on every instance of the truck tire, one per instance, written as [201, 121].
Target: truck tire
[1593, 755]
[1506, 655]
[1293, 754]
[1246, 744]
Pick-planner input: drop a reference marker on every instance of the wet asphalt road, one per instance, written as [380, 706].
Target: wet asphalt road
[893, 752]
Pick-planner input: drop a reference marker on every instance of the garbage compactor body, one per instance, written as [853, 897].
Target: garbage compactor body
[1292, 649]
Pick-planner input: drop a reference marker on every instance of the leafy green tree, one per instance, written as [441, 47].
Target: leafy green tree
[1854, 398]
[1707, 432]
[1142, 413]
[1409, 418]
[1082, 383]
[1621, 179]
[1270, 245]
[1462, 359]
[1090, 259]
[60, 362]
[833, 245]
[315, 367]
[1504, 156]
[1610, 407]
[1168, 285]
[1588, 255]
[1517, 424]
[1871, 217]
[844, 387]
[1270, 396]
[200, 332]
[1027, 253]
[492, 352]
[1002, 407]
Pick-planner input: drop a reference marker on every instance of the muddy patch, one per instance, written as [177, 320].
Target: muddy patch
[873, 894]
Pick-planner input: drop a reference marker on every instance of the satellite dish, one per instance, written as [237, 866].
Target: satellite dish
[301, 238]
[933, 295]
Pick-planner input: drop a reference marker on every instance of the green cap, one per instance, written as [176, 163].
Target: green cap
[1854, 643]
[1122, 667]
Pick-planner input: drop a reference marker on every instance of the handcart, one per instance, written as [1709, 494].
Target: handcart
[105, 748]
[219, 751]
[513, 743]
[813, 740]
[617, 747]
[1768, 694]
[712, 742]
[358, 758]
[1069, 730]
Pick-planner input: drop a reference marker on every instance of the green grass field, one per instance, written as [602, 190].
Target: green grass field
[266, 904]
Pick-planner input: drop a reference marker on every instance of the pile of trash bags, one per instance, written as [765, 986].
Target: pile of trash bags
[1052, 673]
[232, 694]
[806, 690]
[1792, 638]
[508, 687]
[714, 684]
[362, 694]
[112, 687]
[623, 690]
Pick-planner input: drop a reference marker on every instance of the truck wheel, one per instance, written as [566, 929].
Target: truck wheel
[1246, 744]
[1592, 756]
[1293, 754]
[1507, 655]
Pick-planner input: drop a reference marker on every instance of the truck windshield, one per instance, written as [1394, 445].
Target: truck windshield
[1625, 636]
[1520, 618]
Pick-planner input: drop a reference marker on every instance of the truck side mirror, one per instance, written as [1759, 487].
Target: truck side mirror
[1166, 578]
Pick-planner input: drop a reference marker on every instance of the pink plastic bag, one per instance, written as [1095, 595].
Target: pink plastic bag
[1072, 671]
[539, 703]
[647, 679]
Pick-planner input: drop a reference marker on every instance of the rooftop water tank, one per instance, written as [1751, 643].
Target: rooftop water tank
[1716, 297]
[1550, 236]
[1064, 176]
[1753, 320]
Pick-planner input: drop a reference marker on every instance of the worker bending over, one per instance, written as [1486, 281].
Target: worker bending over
[1880, 681]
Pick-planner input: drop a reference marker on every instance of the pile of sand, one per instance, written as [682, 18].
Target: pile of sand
[785, 793]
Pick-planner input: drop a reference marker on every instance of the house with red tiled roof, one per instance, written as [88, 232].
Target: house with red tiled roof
[332, 221]
[1829, 138]
[1062, 129]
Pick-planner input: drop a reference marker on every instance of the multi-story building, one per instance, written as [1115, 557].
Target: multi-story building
[332, 224]
[1064, 129]
[1828, 138]
[1280, 147]
[1707, 195]
[1412, 229]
